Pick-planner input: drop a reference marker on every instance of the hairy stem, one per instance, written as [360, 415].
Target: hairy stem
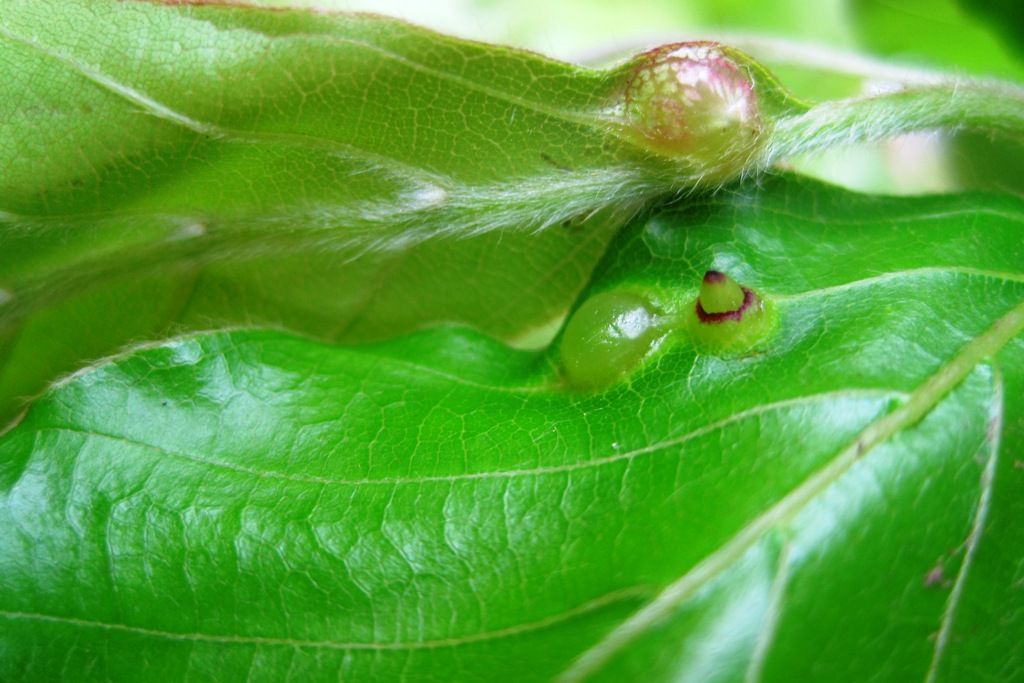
[986, 106]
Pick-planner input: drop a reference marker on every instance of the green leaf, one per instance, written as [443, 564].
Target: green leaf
[175, 168]
[346, 176]
[844, 505]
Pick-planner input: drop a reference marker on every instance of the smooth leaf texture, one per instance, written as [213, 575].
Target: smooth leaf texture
[172, 168]
[844, 506]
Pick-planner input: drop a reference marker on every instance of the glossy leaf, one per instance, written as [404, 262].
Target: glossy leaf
[844, 505]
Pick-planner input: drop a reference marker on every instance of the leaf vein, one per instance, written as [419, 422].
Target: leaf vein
[773, 613]
[164, 112]
[469, 84]
[977, 528]
[898, 275]
[496, 474]
[511, 631]
[919, 404]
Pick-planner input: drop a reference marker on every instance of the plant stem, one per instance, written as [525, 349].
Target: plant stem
[987, 106]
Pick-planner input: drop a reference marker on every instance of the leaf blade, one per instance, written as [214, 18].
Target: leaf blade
[442, 486]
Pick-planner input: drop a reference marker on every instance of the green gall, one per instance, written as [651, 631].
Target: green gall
[694, 101]
[607, 337]
[719, 293]
[727, 318]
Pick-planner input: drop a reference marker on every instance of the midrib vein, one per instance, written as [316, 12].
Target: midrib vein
[920, 402]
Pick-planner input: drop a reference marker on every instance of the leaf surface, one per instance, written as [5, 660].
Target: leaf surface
[173, 168]
[842, 506]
